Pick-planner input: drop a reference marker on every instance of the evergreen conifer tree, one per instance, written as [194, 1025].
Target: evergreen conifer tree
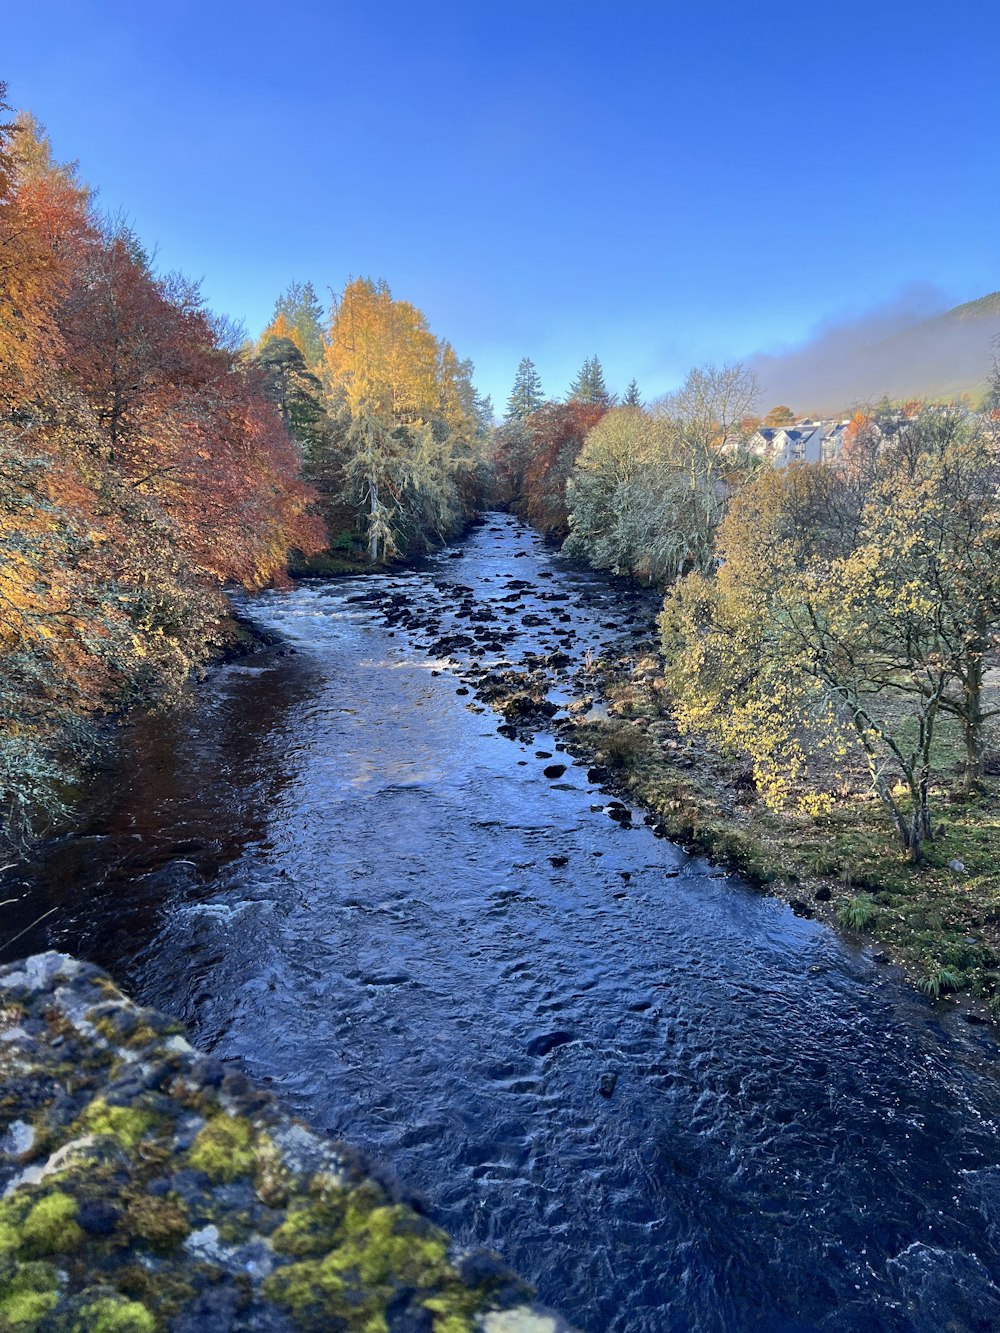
[589, 386]
[526, 396]
[303, 315]
[632, 398]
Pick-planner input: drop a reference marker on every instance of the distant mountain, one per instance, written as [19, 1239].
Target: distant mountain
[900, 354]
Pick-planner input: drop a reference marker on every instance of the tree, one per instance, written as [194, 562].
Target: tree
[615, 494]
[298, 316]
[857, 602]
[780, 416]
[706, 417]
[939, 472]
[407, 410]
[648, 490]
[526, 396]
[141, 468]
[296, 392]
[632, 398]
[589, 386]
[991, 399]
[554, 438]
[44, 226]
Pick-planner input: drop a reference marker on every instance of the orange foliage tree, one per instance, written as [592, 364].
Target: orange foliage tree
[533, 460]
[142, 468]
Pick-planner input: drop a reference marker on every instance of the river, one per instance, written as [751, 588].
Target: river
[338, 873]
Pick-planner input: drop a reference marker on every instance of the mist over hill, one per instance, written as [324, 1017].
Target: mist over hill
[907, 350]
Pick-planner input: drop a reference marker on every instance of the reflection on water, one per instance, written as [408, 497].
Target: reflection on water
[339, 874]
[189, 793]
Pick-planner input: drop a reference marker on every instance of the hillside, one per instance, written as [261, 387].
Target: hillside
[904, 355]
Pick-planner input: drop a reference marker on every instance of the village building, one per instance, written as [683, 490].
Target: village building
[806, 441]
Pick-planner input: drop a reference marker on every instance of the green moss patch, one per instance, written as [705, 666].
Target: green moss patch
[27, 1296]
[223, 1148]
[127, 1125]
[379, 1252]
[115, 1314]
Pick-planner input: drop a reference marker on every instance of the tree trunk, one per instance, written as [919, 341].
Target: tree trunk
[373, 534]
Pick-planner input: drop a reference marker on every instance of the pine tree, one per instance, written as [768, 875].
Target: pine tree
[632, 398]
[589, 386]
[299, 308]
[482, 407]
[295, 391]
[526, 396]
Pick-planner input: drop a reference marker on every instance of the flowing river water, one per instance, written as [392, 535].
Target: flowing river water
[339, 874]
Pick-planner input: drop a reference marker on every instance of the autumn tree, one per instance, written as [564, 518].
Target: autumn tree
[780, 416]
[407, 411]
[43, 226]
[850, 604]
[553, 438]
[141, 469]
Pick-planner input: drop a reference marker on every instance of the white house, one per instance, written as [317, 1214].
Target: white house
[807, 441]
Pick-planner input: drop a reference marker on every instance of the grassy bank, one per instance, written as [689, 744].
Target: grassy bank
[939, 920]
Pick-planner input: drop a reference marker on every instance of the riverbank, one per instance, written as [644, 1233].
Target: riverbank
[149, 1187]
[939, 921]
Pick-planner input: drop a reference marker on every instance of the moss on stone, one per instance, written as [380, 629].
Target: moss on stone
[105, 1028]
[125, 1124]
[27, 1296]
[311, 1227]
[142, 1035]
[380, 1252]
[26, 1310]
[274, 1179]
[162, 1223]
[223, 1149]
[114, 1314]
[166, 1290]
[50, 1226]
[235, 1227]
[58, 1023]
[98, 1245]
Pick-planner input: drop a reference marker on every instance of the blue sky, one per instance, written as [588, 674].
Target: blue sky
[658, 183]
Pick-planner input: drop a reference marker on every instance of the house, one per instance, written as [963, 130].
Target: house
[807, 441]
